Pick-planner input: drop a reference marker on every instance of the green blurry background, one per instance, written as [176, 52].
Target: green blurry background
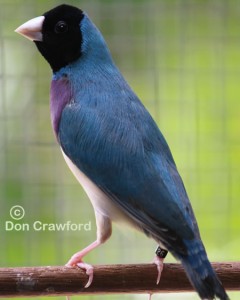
[183, 60]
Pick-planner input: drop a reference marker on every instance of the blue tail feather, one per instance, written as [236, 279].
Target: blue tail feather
[200, 272]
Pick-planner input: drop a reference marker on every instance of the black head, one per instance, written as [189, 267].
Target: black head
[61, 36]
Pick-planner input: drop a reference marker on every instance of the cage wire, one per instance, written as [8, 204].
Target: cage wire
[182, 58]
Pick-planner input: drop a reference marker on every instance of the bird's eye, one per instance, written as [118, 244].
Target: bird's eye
[61, 27]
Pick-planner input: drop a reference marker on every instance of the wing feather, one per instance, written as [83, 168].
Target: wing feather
[127, 157]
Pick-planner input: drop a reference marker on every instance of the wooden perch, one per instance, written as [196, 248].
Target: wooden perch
[50, 281]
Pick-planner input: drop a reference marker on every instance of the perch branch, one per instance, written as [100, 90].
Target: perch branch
[52, 281]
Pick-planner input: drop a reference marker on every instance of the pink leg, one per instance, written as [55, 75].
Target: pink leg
[158, 261]
[77, 257]
[104, 230]
[76, 260]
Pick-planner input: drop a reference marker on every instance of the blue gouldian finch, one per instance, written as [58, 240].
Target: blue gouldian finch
[114, 148]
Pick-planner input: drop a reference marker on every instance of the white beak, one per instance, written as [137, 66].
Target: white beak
[32, 29]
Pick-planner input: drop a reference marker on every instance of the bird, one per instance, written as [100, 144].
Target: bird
[114, 147]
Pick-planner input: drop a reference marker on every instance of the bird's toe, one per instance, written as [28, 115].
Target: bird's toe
[89, 272]
[158, 261]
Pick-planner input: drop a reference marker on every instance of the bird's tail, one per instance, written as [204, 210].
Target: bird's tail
[200, 272]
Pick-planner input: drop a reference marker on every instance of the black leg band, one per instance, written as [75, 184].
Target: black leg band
[162, 253]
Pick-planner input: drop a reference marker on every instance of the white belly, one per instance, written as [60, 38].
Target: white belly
[101, 202]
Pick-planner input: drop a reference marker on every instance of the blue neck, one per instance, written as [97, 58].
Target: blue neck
[95, 53]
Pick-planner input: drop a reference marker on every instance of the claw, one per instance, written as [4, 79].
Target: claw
[82, 265]
[89, 272]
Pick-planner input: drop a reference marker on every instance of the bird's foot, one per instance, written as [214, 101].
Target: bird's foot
[76, 260]
[89, 272]
[158, 261]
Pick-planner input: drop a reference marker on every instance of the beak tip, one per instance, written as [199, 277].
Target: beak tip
[17, 30]
[32, 29]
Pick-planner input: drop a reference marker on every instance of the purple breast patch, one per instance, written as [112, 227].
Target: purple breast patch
[60, 95]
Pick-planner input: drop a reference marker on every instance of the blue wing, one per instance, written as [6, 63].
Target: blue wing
[116, 143]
